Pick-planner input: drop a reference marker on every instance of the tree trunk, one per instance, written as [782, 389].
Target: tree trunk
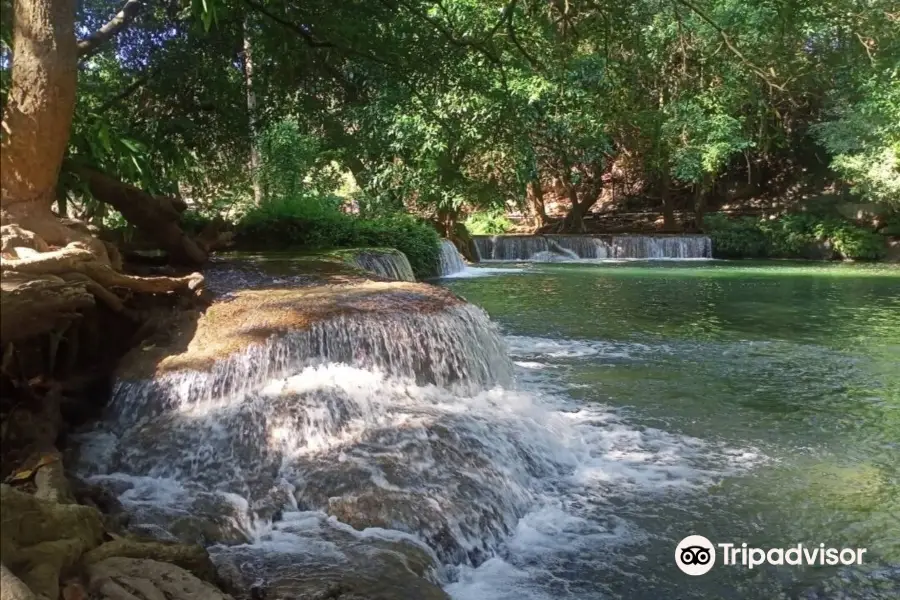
[665, 191]
[38, 115]
[49, 268]
[699, 204]
[156, 216]
[574, 220]
[534, 193]
[251, 116]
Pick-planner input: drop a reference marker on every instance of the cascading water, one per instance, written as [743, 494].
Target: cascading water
[405, 428]
[646, 246]
[551, 248]
[388, 264]
[450, 260]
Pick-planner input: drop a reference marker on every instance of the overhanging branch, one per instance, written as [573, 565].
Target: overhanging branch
[734, 50]
[120, 21]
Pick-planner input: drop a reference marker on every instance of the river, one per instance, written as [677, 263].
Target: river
[758, 403]
[559, 450]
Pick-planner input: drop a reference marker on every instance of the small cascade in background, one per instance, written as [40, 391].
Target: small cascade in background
[511, 247]
[390, 264]
[554, 248]
[450, 260]
[583, 246]
[669, 246]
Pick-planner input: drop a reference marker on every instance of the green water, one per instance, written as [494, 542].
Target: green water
[795, 364]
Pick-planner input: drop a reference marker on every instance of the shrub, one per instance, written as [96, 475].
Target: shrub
[488, 223]
[316, 223]
[737, 238]
[791, 236]
[852, 241]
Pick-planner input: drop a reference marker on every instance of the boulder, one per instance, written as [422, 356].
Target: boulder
[191, 557]
[120, 578]
[359, 569]
[40, 538]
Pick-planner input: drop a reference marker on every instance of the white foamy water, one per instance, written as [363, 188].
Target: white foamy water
[450, 261]
[390, 264]
[511, 488]
[567, 248]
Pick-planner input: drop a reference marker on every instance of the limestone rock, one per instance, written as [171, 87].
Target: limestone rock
[369, 570]
[11, 587]
[40, 538]
[121, 578]
[191, 557]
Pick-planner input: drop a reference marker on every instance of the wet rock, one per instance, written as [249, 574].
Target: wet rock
[401, 511]
[40, 538]
[115, 518]
[191, 557]
[11, 587]
[350, 569]
[143, 579]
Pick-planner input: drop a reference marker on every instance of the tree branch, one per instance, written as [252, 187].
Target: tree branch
[123, 19]
[511, 30]
[462, 42]
[727, 40]
[127, 91]
[309, 38]
[298, 29]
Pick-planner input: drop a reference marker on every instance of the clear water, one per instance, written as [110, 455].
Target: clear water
[746, 402]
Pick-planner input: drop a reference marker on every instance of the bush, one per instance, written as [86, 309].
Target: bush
[853, 241]
[316, 223]
[488, 223]
[737, 238]
[791, 236]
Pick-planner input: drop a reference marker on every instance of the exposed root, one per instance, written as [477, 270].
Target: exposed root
[99, 292]
[45, 287]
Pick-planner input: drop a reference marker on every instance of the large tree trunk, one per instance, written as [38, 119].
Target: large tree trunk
[38, 115]
[574, 220]
[534, 194]
[50, 267]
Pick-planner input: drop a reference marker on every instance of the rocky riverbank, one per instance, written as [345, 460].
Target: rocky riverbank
[66, 534]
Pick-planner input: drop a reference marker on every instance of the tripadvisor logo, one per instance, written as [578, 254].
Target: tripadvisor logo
[696, 555]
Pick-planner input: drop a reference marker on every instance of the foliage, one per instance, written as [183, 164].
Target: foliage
[864, 139]
[791, 236]
[442, 109]
[316, 223]
[488, 223]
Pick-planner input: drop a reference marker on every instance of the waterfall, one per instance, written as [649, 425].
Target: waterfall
[455, 347]
[669, 246]
[450, 260]
[388, 263]
[544, 248]
[382, 434]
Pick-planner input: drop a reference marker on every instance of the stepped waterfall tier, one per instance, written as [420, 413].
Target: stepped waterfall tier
[385, 262]
[450, 260]
[381, 437]
[550, 248]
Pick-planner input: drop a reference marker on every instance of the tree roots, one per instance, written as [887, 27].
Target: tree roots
[43, 286]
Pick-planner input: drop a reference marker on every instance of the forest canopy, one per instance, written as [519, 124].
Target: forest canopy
[443, 108]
